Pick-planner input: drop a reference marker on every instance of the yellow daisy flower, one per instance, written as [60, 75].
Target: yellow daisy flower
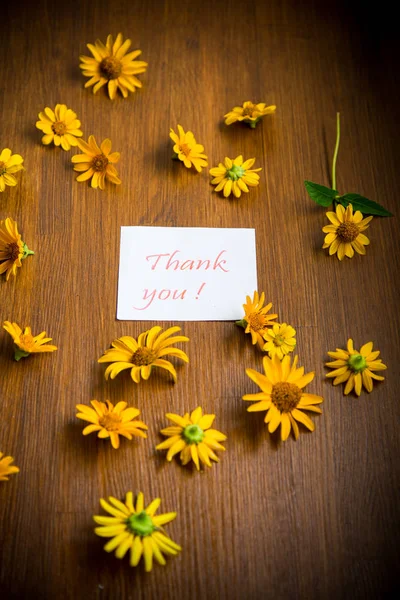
[280, 340]
[6, 468]
[141, 355]
[12, 249]
[256, 320]
[344, 235]
[111, 421]
[193, 438]
[137, 529]
[25, 343]
[60, 126]
[9, 164]
[355, 368]
[187, 149]
[249, 113]
[235, 176]
[96, 163]
[282, 395]
[112, 65]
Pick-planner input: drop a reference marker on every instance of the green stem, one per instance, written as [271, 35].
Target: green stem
[336, 151]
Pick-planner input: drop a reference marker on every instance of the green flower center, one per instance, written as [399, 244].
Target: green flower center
[141, 524]
[2, 168]
[235, 172]
[278, 340]
[193, 434]
[357, 363]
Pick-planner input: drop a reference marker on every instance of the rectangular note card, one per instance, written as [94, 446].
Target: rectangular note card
[185, 273]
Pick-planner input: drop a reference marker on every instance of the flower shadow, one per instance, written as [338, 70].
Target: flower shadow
[85, 445]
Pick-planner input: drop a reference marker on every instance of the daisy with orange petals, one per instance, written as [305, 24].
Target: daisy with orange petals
[256, 320]
[96, 163]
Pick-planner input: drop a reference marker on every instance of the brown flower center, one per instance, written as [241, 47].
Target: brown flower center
[348, 231]
[99, 162]
[13, 250]
[285, 396]
[111, 67]
[59, 127]
[142, 357]
[256, 321]
[110, 421]
[248, 111]
[278, 340]
[2, 168]
[184, 148]
[26, 342]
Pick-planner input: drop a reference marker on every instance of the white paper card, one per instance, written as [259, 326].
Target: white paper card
[185, 273]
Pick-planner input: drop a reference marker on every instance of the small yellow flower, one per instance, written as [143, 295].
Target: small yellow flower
[96, 163]
[60, 126]
[282, 395]
[256, 320]
[12, 249]
[6, 468]
[280, 340]
[137, 529]
[141, 355]
[112, 65]
[111, 421]
[249, 113]
[9, 164]
[344, 235]
[193, 438]
[355, 368]
[235, 176]
[25, 342]
[188, 150]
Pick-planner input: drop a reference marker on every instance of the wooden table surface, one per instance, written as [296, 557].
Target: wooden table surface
[316, 518]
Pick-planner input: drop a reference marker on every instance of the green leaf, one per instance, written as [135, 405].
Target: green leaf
[367, 207]
[322, 195]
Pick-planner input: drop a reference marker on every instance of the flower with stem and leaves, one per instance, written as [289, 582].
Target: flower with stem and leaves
[325, 196]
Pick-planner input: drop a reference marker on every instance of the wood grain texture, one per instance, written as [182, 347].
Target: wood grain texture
[317, 518]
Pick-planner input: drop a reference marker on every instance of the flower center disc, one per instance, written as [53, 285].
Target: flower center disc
[278, 340]
[100, 162]
[184, 148]
[235, 172]
[248, 111]
[357, 363]
[111, 421]
[141, 524]
[111, 67]
[142, 357]
[285, 396]
[13, 250]
[26, 341]
[59, 128]
[256, 321]
[2, 168]
[193, 434]
[348, 231]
